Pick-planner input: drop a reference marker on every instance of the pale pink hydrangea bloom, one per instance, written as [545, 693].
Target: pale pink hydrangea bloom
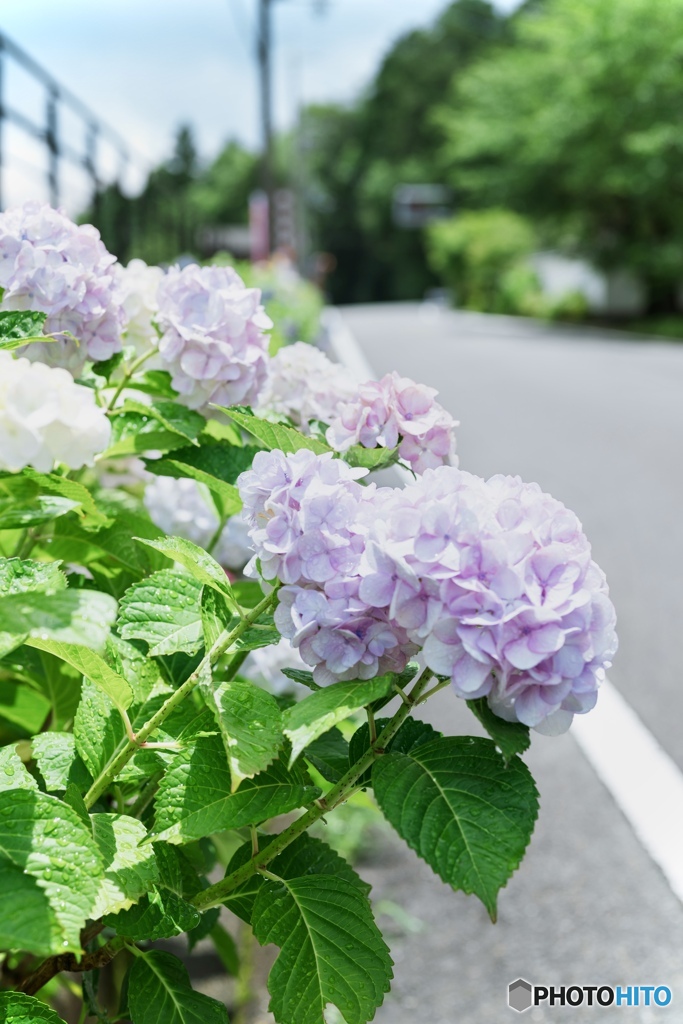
[214, 342]
[397, 411]
[139, 288]
[50, 265]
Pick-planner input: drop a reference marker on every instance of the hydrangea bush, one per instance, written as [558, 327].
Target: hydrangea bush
[174, 720]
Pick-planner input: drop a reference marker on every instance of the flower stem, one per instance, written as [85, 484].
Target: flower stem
[121, 758]
[216, 894]
[135, 365]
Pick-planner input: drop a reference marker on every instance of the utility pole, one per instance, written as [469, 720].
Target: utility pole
[264, 52]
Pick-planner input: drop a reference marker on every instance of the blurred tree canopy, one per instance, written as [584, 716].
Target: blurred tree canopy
[577, 124]
[357, 155]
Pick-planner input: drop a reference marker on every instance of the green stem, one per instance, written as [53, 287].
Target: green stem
[121, 758]
[217, 535]
[135, 365]
[215, 894]
[435, 689]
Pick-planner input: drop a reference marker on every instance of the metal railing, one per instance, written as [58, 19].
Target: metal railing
[57, 149]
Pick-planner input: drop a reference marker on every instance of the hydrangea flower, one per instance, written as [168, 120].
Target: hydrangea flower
[491, 581]
[397, 411]
[45, 417]
[51, 265]
[183, 508]
[213, 340]
[139, 288]
[305, 385]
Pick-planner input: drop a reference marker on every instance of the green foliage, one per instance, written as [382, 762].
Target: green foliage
[464, 811]
[510, 737]
[21, 1009]
[18, 328]
[163, 610]
[159, 992]
[275, 435]
[576, 125]
[331, 950]
[250, 724]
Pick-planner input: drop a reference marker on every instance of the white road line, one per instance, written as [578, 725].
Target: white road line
[645, 783]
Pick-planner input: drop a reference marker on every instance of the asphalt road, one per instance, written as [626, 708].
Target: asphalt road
[597, 420]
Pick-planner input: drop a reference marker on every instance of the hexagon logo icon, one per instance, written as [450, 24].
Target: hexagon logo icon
[519, 995]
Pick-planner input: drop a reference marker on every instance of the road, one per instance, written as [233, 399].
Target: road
[597, 420]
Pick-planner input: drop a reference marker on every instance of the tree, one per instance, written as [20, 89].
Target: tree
[578, 125]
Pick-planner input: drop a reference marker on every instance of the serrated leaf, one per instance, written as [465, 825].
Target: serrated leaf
[92, 666]
[159, 992]
[195, 797]
[160, 914]
[274, 435]
[19, 576]
[130, 870]
[222, 462]
[164, 611]
[412, 733]
[331, 950]
[510, 737]
[114, 544]
[13, 771]
[69, 616]
[370, 458]
[50, 869]
[325, 708]
[329, 755]
[462, 809]
[20, 326]
[17, 1008]
[141, 673]
[98, 728]
[41, 509]
[58, 763]
[305, 856]
[197, 561]
[250, 724]
[164, 426]
[86, 508]
[299, 675]
[175, 871]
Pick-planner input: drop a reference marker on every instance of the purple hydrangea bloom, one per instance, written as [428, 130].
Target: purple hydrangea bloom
[397, 411]
[51, 265]
[213, 342]
[491, 582]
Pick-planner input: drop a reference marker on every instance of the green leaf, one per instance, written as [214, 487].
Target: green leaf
[305, 856]
[159, 992]
[370, 458]
[19, 576]
[13, 772]
[164, 426]
[329, 755]
[92, 666]
[197, 561]
[274, 435]
[58, 763]
[156, 383]
[20, 327]
[412, 733]
[176, 872]
[17, 1008]
[226, 949]
[160, 914]
[220, 461]
[314, 715]
[250, 723]
[164, 611]
[457, 804]
[195, 797]
[86, 508]
[331, 950]
[510, 737]
[301, 676]
[50, 870]
[130, 870]
[72, 542]
[142, 673]
[23, 706]
[70, 616]
[40, 509]
[208, 921]
[98, 728]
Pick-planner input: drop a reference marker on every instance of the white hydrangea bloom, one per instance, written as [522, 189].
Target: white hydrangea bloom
[45, 417]
[305, 385]
[183, 508]
[53, 266]
[140, 286]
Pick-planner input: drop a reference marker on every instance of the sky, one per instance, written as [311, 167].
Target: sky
[145, 66]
